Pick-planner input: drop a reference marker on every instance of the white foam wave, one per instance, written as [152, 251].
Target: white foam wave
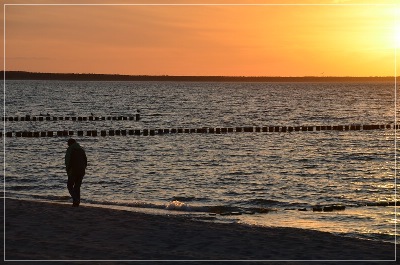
[177, 206]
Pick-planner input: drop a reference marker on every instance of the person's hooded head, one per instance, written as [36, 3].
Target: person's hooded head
[71, 142]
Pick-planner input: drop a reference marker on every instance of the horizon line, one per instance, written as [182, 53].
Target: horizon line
[177, 75]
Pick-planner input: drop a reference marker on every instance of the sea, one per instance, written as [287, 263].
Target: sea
[337, 181]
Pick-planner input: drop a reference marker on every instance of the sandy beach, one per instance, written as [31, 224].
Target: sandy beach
[59, 232]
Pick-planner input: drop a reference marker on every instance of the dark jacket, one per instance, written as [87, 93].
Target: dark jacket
[75, 160]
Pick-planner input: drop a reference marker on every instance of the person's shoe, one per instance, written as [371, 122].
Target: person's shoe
[75, 204]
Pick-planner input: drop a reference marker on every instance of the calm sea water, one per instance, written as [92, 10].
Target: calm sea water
[267, 177]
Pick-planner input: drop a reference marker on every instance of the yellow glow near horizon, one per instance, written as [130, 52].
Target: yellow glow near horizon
[397, 34]
[394, 26]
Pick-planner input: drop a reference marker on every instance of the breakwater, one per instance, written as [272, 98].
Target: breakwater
[135, 117]
[202, 130]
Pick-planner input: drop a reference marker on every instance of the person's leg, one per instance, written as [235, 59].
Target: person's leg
[77, 190]
[70, 186]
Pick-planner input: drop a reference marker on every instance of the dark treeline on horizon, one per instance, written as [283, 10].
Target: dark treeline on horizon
[21, 75]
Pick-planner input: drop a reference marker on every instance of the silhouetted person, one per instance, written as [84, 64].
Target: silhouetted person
[75, 164]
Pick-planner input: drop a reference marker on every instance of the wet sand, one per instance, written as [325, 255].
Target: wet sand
[59, 232]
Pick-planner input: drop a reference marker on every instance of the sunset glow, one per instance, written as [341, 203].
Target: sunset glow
[233, 40]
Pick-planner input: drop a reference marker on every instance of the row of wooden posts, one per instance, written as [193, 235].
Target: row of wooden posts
[135, 117]
[208, 130]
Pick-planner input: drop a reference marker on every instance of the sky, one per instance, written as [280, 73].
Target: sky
[233, 38]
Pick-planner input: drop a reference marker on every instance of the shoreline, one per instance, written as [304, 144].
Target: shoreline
[51, 231]
[24, 75]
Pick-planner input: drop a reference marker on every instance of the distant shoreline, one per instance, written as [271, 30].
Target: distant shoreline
[22, 75]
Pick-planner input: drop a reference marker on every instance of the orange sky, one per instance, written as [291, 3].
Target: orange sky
[244, 40]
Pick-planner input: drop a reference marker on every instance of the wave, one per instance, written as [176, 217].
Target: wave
[50, 198]
[380, 237]
[180, 206]
[264, 202]
[21, 187]
[256, 206]
[187, 199]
